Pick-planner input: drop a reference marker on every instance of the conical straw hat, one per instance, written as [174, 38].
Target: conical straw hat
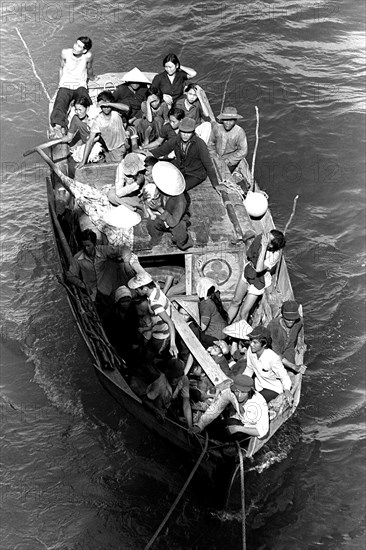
[121, 217]
[168, 178]
[239, 330]
[135, 75]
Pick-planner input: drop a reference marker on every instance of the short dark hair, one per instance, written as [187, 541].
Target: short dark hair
[179, 114]
[88, 235]
[150, 285]
[190, 86]
[86, 41]
[171, 57]
[150, 161]
[105, 96]
[279, 240]
[84, 101]
[156, 91]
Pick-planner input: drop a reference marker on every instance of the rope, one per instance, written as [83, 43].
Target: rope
[256, 145]
[225, 88]
[33, 65]
[242, 486]
[292, 214]
[156, 534]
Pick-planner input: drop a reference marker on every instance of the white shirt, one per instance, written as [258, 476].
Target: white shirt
[269, 371]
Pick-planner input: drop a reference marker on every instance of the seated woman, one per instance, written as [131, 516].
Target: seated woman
[194, 108]
[172, 80]
[154, 114]
[168, 132]
[262, 258]
[213, 316]
[79, 130]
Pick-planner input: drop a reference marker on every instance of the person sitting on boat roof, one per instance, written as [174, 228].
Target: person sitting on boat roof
[160, 306]
[96, 264]
[79, 130]
[262, 257]
[172, 80]
[132, 92]
[213, 317]
[228, 141]
[128, 182]
[284, 332]
[109, 127]
[271, 377]
[191, 156]
[172, 214]
[168, 134]
[154, 114]
[75, 71]
[195, 108]
[171, 384]
[250, 415]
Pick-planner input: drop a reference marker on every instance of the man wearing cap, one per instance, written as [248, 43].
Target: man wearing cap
[128, 182]
[109, 127]
[284, 332]
[228, 141]
[170, 385]
[132, 92]
[191, 156]
[172, 213]
[160, 306]
[251, 410]
[271, 377]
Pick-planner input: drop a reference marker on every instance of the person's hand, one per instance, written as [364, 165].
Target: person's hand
[80, 165]
[194, 430]
[265, 240]
[132, 187]
[288, 396]
[126, 254]
[302, 369]
[168, 99]
[223, 346]
[152, 98]
[173, 350]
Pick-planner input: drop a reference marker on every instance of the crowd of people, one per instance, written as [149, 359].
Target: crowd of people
[165, 144]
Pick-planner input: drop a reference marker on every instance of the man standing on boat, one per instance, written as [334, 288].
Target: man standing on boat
[284, 332]
[163, 331]
[75, 71]
[251, 410]
[97, 266]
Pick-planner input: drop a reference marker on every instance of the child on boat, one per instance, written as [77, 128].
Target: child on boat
[154, 114]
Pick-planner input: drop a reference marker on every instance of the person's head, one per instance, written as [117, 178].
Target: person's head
[171, 64]
[123, 298]
[174, 370]
[88, 241]
[142, 283]
[186, 316]
[215, 350]
[132, 165]
[228, 117]
[156, 96]
[149, 163]
[175, 115]
[204, 287]
[82, 45]
[277, 240]
[190, 91]
[290, 313]
[242, 387]
[134, 85]
[81, 106]
[260, 339]
[186, 129]
[105, 97]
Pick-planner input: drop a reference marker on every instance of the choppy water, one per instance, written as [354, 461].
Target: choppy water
[77, 472]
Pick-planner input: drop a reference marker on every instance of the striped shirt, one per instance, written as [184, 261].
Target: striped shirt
[158, 303]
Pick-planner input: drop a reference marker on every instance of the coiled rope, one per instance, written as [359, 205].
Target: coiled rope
[173, 506]
[242, 487]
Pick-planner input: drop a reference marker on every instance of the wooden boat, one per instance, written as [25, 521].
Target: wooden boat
[219, 225]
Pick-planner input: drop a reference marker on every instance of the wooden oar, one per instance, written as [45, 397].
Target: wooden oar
[43, 146]
[55, 168]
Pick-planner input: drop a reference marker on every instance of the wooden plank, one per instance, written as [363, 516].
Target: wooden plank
[211, 368]
[188, 260]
